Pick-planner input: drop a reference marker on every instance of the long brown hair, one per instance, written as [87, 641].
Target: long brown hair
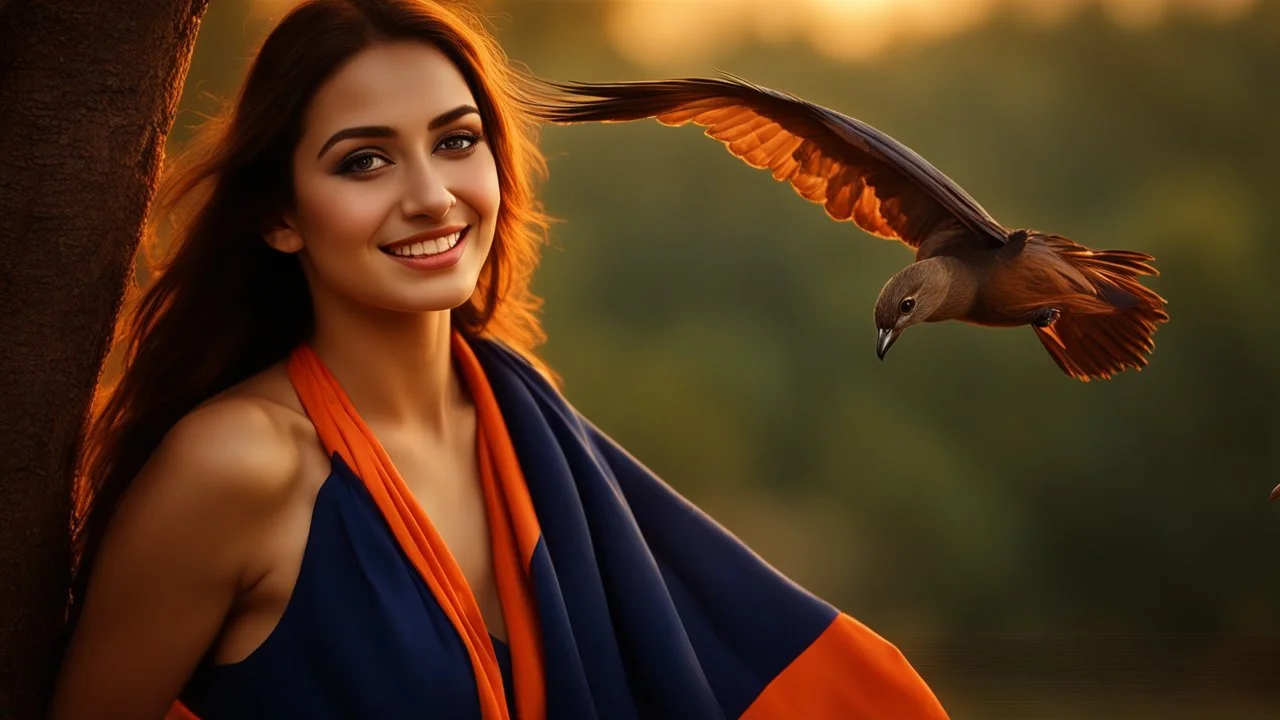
[224, 305]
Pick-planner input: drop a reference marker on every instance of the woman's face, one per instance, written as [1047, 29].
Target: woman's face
[396, 193]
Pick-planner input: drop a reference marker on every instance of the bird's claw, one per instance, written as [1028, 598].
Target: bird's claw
[1046, 317]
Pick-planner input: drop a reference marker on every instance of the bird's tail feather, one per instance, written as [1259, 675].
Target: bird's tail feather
[1101, 333]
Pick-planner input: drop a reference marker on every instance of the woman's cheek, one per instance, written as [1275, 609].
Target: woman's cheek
[347, 215]
[477, 183]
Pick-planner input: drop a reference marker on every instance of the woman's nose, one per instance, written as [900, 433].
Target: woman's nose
[426, 193]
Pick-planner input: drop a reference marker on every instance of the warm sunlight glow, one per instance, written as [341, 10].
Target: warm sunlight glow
[677, 31]
[854, 29]
[271, 8]
[664, 34]
[670, 34]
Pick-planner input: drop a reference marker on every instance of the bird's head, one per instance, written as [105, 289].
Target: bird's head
[912, 296]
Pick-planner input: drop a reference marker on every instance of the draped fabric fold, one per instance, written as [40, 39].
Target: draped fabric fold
[621, 598]
[342, 431]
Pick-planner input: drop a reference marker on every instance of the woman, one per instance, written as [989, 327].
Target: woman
[334, 481]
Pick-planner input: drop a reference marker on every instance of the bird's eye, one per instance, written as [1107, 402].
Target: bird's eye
[907, 306]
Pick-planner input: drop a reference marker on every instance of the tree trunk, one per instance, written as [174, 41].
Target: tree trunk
[88, 93]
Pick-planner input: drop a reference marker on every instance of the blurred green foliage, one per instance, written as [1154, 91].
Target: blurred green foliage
[720, 326]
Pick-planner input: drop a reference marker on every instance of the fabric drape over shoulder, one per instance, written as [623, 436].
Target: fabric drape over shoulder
[621, 598]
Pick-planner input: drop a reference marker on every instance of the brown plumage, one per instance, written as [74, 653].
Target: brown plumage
[1089, 308]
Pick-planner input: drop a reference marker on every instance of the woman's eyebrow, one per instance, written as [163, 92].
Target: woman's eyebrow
[369, 131]
[382, 131]
[448, 117]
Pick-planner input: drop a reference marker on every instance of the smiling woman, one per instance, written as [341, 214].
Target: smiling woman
[335, 481]
[367, 170]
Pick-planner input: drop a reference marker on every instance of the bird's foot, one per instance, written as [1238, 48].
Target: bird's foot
[1046, 317]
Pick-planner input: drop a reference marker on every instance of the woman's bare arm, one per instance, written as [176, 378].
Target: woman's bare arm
[173, 561]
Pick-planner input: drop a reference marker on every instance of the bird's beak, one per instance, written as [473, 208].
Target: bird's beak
[1275, 493]
[885, 340]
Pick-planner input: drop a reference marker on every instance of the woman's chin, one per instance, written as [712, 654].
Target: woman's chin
[446, 296]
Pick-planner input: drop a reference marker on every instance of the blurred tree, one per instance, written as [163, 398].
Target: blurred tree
[89, 92]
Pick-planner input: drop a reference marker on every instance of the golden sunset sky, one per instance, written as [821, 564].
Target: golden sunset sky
[663, 33]
[659, 32]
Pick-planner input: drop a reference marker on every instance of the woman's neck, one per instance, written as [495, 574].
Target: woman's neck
[396, 368]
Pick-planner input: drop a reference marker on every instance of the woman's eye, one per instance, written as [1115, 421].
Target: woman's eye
[367, 162]
[459, 143]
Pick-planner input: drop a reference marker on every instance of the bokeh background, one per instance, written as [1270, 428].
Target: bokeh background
[1037, 546]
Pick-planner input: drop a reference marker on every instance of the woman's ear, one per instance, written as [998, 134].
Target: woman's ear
[284, 236]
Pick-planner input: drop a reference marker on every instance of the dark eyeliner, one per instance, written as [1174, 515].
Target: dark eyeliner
[346, 167]
[474, 137]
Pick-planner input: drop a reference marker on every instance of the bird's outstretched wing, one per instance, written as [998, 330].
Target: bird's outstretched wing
[853, 170]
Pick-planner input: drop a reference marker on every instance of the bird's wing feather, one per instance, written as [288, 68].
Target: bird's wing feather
[854, 171]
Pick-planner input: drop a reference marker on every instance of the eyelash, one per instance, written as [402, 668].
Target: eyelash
[347, 166]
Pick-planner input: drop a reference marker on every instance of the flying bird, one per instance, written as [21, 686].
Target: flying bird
[1088, 307]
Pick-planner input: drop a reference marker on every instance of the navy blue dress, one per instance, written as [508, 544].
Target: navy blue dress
[361, 637]
[645, 607]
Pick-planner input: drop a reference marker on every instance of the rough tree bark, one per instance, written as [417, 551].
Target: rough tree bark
[88, 93]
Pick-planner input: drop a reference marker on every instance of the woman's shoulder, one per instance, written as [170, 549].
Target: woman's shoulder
[247, 441]
[191, 534]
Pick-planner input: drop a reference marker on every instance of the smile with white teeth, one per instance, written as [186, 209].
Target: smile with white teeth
[427, 248]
